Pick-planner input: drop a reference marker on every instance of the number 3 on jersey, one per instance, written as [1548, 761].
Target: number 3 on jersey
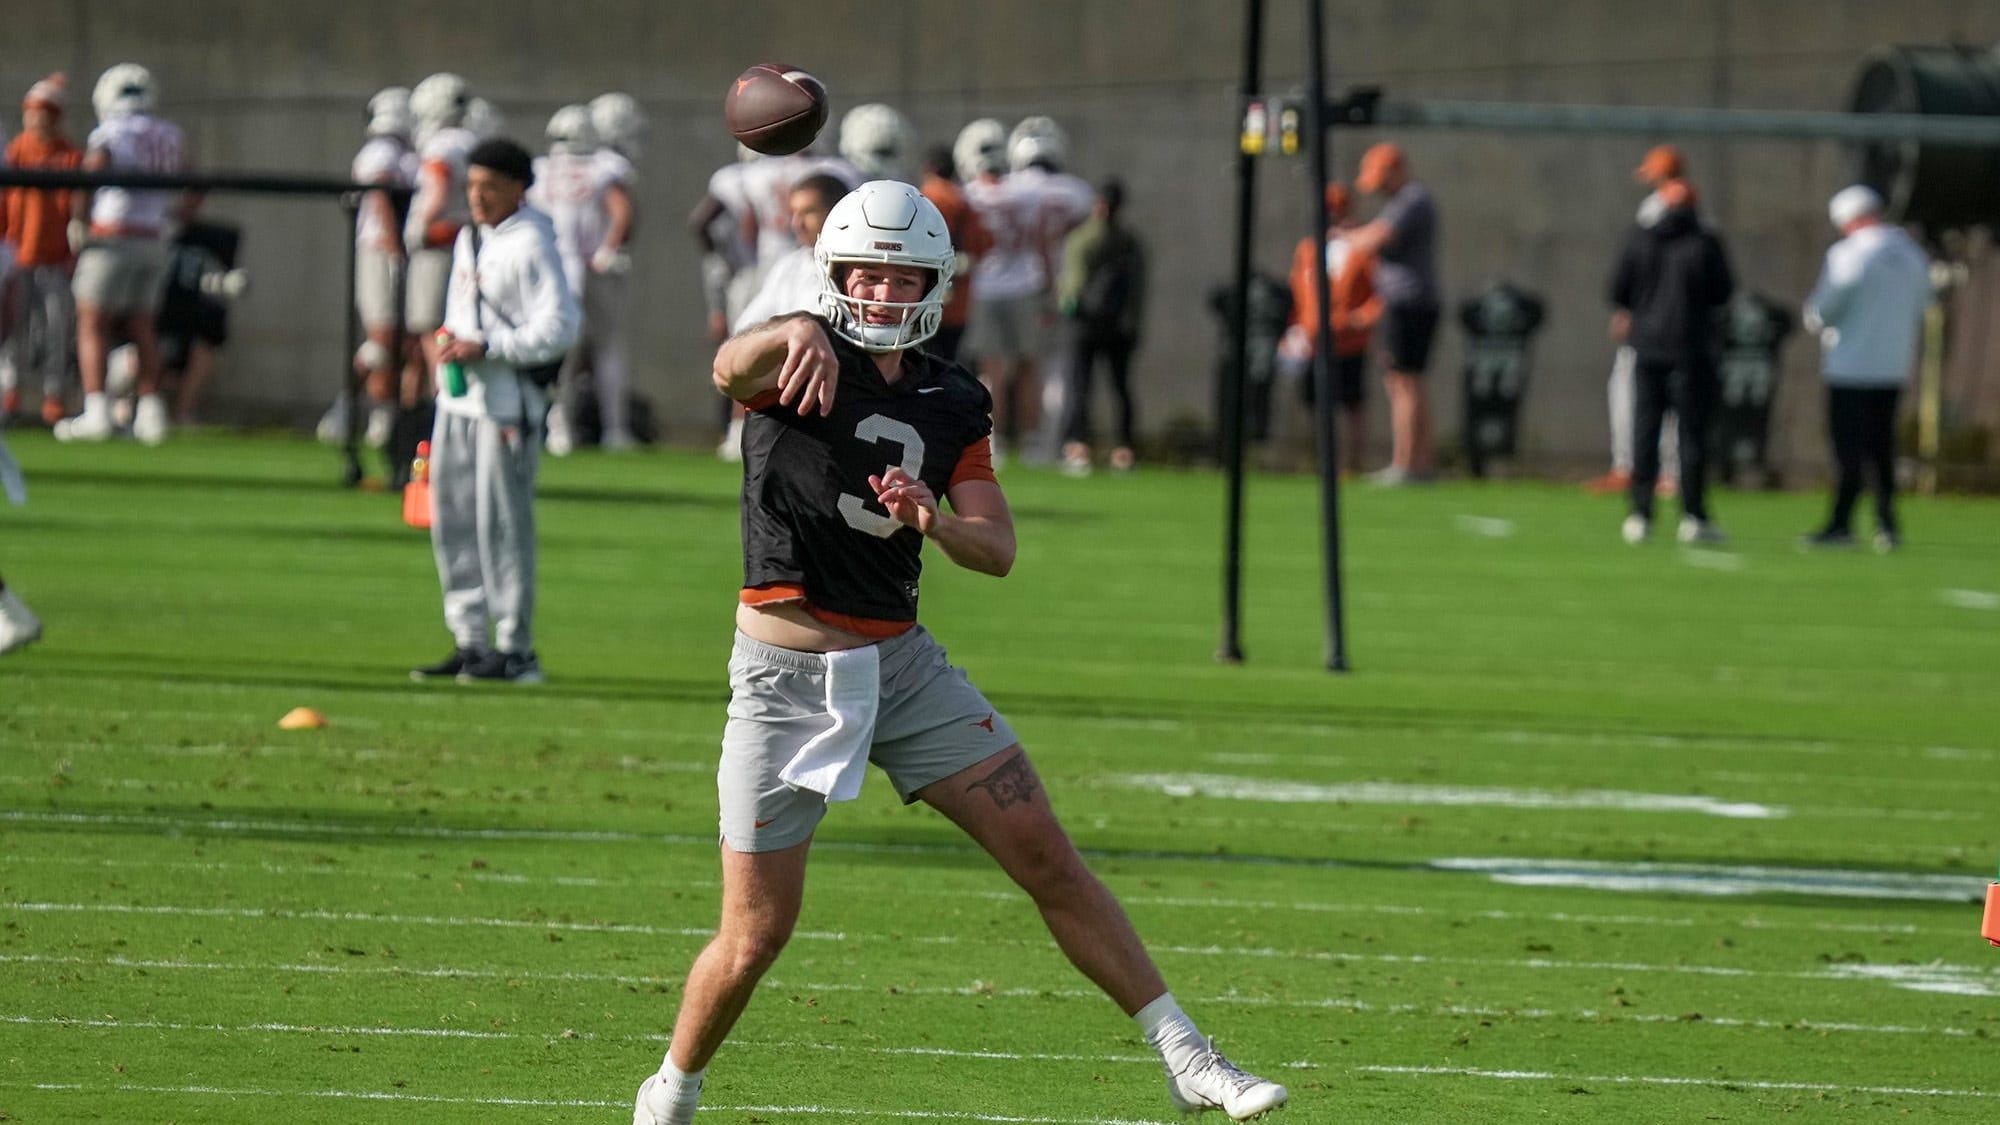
[876, 428]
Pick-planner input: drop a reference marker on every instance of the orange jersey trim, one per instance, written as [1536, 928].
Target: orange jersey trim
[780, 593]
[976, 463]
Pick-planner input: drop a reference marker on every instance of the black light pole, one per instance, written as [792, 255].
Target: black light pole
[1236, 374]
[1323, 407]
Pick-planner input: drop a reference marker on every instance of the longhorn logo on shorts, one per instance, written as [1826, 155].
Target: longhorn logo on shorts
[986, 722]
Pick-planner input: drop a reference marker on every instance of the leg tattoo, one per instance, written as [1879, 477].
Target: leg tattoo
[1011, 783]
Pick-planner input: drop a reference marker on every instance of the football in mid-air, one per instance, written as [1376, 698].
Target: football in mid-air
[775, 109]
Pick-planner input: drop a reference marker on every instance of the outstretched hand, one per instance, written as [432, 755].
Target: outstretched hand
[810, 372]
[907, 499]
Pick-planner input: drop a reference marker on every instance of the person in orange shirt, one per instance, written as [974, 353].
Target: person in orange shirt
[968, 237]
[37, 311]
[1350, 269]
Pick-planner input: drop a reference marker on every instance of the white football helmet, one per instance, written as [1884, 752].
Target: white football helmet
[884, 222]
[389, 113]
[570, 130]
[1037, 139]
[440, 101]
[122, 89]
[981, 147]
[879, 141]
[484, 119]
[618, 120]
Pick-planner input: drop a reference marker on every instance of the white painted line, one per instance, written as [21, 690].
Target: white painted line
[1673, 1080]
[1176, 902]
[1970, 599]
[1713, 560]
[1954, 980]
[569, 1103]
[1720, 879]
[1486, 526]
[281, 915]
[1390, 793]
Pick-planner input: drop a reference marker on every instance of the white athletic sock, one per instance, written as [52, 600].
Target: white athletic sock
[673, 1100]
[96, 404]
[1170, 1032]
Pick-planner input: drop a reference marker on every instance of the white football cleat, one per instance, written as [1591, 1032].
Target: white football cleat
[559, 439]
[87, 426]
[1210, 1081]
[1635, 529]
[149, 424]
[381, 425]
[653, 1107]
[19, 626]
[332, 428]
[1694, 531]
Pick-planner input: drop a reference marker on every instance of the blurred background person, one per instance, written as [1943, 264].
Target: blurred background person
[388, 158]
[795, 281]
[1349, 273]
[37, 309]
[1103, 295]
[1671, 279]
[438, 211]
[1037, 156]
[879, 142]
[121, 271]
[1006, 332]
[968, 238]
[586, 193]
[193, 322]
[1403, 238]
[1868, 310]
[1662, 165]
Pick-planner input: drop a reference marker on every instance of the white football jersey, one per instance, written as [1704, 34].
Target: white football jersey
[136, 142]
[1063, 202]
[383, 160]
[762, 189]
[448, 149]
[570, 187]
[1014, 267]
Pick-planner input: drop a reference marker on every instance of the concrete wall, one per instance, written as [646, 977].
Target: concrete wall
[1145, 88]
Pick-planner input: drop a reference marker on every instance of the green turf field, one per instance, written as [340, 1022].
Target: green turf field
[476, 905]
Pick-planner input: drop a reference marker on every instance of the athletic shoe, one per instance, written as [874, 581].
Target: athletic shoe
[1123, 460]
[651, 1108]
[1610, 484]
[1395, 476]
[1635, 529]
[19, 627]
[1076, 459]
[332, 428]
[381, 425]
[557, 438]
[1697, 532]
[1827, 539]
[1210, 1081]
[87, 426]
[1887, 542]
[448, 668]
[502, 668]
[149, 424]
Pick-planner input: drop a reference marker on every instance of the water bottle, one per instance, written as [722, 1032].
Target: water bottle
[450, 372]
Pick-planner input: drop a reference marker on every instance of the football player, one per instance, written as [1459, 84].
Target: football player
[792, 284]
[1009, 281]
[585, 191]
[121, 271]
[880, 142]
[1037, 151]
[856, 441]
[37, 310]
[387, 158]
[439, 210]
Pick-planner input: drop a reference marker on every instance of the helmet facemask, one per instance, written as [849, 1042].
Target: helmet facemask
[916, 321]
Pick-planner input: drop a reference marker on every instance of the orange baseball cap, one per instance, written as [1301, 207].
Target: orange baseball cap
[1663, 162]
[1677, 194]
[50, 93]
[1338, 201]
[1376, 165]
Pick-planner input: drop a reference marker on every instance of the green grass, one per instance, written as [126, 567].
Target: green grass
[465, 896]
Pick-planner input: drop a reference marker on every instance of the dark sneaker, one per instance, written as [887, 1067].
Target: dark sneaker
[448, 668]
[1829, 539]
[504, 668]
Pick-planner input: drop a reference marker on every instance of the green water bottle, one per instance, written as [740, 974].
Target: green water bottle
[451, 372]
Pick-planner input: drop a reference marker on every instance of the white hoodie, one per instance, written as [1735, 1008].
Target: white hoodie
[1868, 307]
[529, 318]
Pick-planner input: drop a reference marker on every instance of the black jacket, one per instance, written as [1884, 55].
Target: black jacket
[1671, 277]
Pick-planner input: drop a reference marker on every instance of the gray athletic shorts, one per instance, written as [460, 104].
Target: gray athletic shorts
[931, 723]
[375, 287]
[122, 276]
[1005, 327]
[430, 274]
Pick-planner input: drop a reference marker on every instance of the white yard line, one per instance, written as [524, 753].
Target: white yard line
[1489, 527]
[1675, 1080]
[1720, 879]
[1970, 599]
[1282, 791]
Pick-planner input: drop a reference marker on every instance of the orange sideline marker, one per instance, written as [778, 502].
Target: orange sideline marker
[417, 493]
[1990, 928]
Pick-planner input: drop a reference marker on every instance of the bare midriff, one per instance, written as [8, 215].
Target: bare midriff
[790, 625]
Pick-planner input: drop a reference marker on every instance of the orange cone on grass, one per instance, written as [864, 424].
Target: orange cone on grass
[417, 493]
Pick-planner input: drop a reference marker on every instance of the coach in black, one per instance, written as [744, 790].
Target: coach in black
[853, 435]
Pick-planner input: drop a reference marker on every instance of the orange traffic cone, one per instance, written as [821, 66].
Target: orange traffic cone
[1990, 928]
[417, 493]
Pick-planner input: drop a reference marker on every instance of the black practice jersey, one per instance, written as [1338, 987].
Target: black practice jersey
[809, 517]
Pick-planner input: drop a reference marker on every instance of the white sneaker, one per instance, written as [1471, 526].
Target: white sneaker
[91, 425]
[381, 424]
[1210, 1081]
[1635, 529]
[332, 428]
[149, 425]
[19, 627]
[1694, 531]
[652, 1108]
[560, 440]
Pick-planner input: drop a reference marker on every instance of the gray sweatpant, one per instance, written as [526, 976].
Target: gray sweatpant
[43, 336]
[483, 528]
